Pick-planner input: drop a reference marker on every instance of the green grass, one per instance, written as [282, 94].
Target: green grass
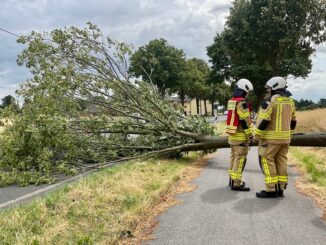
[313, 165]
[103, 208]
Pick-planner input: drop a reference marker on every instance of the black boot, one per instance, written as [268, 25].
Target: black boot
[267, 194]
[280, 193]
[240, 188]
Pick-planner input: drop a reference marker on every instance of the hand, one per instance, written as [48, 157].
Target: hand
[255, 139]
[251, 140]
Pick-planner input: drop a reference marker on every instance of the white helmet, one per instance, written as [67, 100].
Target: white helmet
[245, 85]
[276, 83]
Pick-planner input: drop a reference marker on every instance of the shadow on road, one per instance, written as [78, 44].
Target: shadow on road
[255, 205]
[219, 195]
[319, 224]
[212, 165]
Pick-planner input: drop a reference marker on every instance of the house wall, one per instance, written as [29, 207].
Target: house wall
[190, 108]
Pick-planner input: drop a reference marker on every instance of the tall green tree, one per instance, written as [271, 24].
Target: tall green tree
[160, 63]
[218, 92]
[9, 100]
[198, 73]
[265, 38]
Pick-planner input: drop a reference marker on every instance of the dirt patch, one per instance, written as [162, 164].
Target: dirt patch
[145, 230]
[313, 191]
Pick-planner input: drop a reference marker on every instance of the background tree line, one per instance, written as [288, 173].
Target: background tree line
[167, 67]
[302, 104]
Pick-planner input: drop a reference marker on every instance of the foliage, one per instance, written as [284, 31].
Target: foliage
[198, 73]
[10, 102]
[160, 63]
[81, 107]
[313, 165]
[303, 105]
[265, 38]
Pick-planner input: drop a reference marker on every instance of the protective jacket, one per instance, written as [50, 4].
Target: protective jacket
[276, 120]
[238, 124]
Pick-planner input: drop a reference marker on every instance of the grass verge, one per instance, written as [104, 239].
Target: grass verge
[105, 208]
[311, 163]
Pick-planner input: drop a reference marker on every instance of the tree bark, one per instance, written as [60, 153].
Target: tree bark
[197, 105]
[205, 106]
[212, 104]
[300, 139]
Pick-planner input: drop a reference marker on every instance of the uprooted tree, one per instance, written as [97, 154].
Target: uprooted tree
[81, 106]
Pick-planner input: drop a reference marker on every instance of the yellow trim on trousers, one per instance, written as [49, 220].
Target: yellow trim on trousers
[238, 174]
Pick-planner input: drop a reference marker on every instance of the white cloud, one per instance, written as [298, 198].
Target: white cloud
[314, 86]
[187, 24]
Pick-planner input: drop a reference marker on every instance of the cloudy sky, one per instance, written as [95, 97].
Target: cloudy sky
[187, 24]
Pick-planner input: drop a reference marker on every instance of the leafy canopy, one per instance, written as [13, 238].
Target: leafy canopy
[265, 38]
[158, 62]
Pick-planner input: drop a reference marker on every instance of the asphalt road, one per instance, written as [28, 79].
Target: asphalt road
[13, 195]
[212, 214]
[220, 118]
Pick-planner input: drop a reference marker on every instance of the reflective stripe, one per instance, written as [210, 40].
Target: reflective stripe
[266, 114]
[248, 130]
[231, 105]
[238, 137]
[238, 174]
[284, 100]
[243, 115]
[232, 118]
[240, 167]
[278, 117]
[258, 131]
[273, 135]
[283, 178]
[268, 178]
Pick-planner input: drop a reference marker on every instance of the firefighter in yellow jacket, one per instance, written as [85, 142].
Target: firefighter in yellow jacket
[239, 129]
[276, 121]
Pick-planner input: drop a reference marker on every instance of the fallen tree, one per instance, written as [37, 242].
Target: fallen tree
[81, 106]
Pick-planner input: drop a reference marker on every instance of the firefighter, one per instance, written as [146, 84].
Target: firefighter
[275, 124]
[239, 130]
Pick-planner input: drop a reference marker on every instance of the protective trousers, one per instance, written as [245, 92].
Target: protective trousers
[273, 162]
[238, 162]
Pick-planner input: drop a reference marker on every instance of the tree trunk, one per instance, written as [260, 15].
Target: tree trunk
[182, 96]
[197, 105]
[299, 139]
[205, 106]
[212, 104]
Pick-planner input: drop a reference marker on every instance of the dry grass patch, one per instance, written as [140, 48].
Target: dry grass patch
[105, 208]
[311, 121]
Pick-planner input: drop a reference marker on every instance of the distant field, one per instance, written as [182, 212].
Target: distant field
[311, 121]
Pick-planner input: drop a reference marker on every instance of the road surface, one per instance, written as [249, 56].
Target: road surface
[212, 214]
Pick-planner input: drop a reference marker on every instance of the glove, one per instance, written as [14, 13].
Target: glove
[251, 140]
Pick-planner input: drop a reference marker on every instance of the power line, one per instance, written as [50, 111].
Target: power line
[4, 30]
